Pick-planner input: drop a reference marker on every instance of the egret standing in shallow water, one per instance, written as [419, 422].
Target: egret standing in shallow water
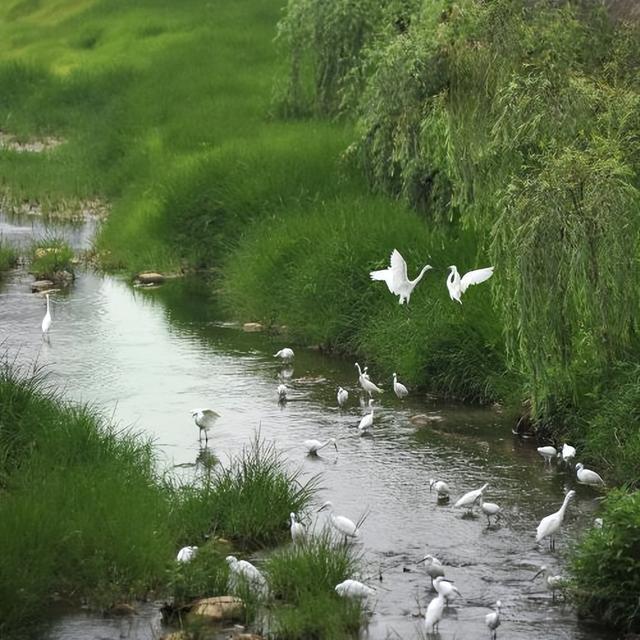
[440, 487]
[457, 285]
[286, 354]
[298, 532]
[446, 588]
[204, 419]
[547, 453]
[341, 524]
[313, 446]
[553, 583]
[46, 321]
[434, 614]
[549, 525]
[400, 390]
[282, 393]
[568, 452]
[586, 476]
[433, 567]
[241, 570]
[490, 509]
[186, 554]
[366, 423]
[354, 589]
[396, 277]
[365, 383]
[492, 620]
[342, 396]
[471, 497]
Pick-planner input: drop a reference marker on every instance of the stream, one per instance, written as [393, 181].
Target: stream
[147, 356]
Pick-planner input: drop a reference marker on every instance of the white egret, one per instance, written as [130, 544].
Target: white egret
[354, 589]
[365, 383]
[400, 390]
[434, 614]
[365, 374]
[342, 524]
[457, 285]
[547, 453]
[471, 497]
[186, 553]
[598, 523]
[343, 396]
[490, 509]
[204, 419]
[313, 446]
[366, 423]
[396, 277]
[46, 321]
[282, 393]
[446, 588]
[586, 476]
[433, 567]
[243, 571]
[553, 583]
[567, 452]
[298, 532]
[440, 487]
[286, 354]
[492, 620]
[550, 524]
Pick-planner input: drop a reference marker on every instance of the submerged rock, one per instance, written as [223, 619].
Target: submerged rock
[150, 277]
[41, 285]
[252, 327]
[122, 609]
[218, 609]
[424, 419]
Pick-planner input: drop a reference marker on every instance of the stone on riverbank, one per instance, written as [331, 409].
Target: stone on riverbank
[218, 609]
[40, 286]
[150, 277]
[252, 327]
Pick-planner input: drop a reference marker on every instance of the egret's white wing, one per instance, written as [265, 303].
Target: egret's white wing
[386, 276]
[475, 277]
[209, 417]
[398, 271]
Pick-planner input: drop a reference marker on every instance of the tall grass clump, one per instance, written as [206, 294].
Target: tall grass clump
[8, 256]
[302, 580]
[49, 257]
[606, 564]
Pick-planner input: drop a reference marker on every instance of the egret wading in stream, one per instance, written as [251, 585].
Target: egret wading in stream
[548, 453]
[434, 614]
[204, 419]
[400, 390]
[46, 321]
[342, 524]
[441, 488]
[366, 422]
[342, 396]
[586, 476]
[568, 452]
[286, 354]
[433, 567]
[186, 554]
[354, 589]
[298, 532]
[470, 498]
[550, 525]
[396, 277]
[313, 446]
[242, 571]
[492, 620]
[490, 509]
[365, 383]
[446, 588]
[457, 285]
[282, 393]
[554, 583]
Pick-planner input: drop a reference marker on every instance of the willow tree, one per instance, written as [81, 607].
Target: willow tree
[567, 243]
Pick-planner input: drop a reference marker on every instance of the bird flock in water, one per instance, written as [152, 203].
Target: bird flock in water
[398, 283]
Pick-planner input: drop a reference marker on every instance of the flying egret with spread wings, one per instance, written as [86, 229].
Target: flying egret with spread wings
[458, 285]
[396, 277]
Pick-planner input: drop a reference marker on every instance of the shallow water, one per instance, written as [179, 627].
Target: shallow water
[148, 356]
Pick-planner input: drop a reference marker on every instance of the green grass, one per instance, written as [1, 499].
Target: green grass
[49, 257]
[8, 256]
[606, 564]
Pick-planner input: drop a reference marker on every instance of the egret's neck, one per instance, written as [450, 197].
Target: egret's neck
[47, 303]
[563, 508]
[420, 275]
[359, 370]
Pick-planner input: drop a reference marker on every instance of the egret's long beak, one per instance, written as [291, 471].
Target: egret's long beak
[537, 574]
[321, 509]
[421, 560]
[336, 446]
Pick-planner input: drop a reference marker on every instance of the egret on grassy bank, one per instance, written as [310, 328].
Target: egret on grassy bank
[204, 419]
[46, 321]
[471, 497]
[313, 446]
[343, 396]
[341, 524]
[568, 452]
[354, 589]
[457, 285]
[547, 453]
[434, 614]
[441, 488]
[554, 583]
[286, 354]
[550, 524]
[243, 571]
[282, 393]
[366, 423]
[446, 588]
[365, 383]
[298, 532]
[400, 390]
[490, 509]
[492, 620]
[586, 476]
[433, 567]
[396, 277]
[186, 553]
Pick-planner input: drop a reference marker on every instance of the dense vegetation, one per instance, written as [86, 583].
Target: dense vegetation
[460, 132]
